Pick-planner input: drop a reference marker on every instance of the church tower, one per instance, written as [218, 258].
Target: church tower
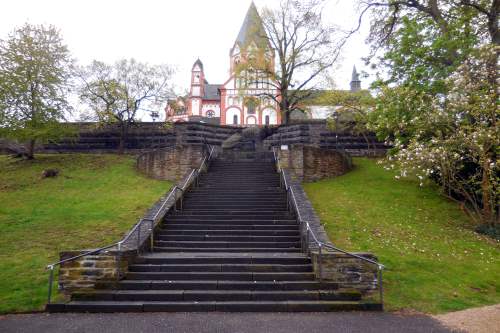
[355, 81]
[197, 88]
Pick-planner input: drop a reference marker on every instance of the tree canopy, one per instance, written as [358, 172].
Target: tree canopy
[35, 69]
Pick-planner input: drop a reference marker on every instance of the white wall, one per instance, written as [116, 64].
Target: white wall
[211, 106]
[273, 116]
[230, 113]
[195, 107]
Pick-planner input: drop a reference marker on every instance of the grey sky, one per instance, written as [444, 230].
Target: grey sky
[175, 32]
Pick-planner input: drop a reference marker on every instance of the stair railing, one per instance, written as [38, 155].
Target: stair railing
[138, 226]
[307, 234]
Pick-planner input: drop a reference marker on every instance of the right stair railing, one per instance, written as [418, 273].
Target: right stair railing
[308, 236]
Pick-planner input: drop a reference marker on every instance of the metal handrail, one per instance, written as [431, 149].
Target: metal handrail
[320, 244]
[137, 226]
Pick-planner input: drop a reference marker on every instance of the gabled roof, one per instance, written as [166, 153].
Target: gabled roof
[212, 92]
[252, 29]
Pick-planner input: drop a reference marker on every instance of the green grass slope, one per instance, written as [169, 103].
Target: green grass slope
[93, 202]
[435, 262]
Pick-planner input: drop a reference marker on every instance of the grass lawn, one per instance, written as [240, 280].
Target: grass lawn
[435, 262]
[93, 202]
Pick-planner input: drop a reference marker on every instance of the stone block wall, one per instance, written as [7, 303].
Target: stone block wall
[309, 163]
[84, 273]
[349, 272]
[318, 134]
[170, 163]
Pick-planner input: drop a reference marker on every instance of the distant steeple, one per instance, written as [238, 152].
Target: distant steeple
[199, 63]
[355, 81]
[252, 29]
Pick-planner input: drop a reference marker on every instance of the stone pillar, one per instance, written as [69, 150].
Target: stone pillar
[349, 272]
[84, 273]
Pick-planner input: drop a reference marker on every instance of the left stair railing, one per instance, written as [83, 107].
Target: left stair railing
[193, 178]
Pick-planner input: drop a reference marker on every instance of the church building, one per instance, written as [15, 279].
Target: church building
[242, 100]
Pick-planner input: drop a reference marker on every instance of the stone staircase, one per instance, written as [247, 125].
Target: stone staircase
[233, 247]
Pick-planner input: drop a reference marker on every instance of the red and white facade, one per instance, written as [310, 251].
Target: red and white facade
[243, 99]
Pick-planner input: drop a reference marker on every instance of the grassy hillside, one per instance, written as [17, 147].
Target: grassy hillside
[436, 263]
[93, 202]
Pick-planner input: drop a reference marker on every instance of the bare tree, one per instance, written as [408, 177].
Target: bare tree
[305, 47]
[115, 93]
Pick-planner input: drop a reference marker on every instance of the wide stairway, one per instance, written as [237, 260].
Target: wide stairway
[233, 247]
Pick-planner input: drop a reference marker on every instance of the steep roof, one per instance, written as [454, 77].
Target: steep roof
[355, 75]
[199, 63]
[252, 29]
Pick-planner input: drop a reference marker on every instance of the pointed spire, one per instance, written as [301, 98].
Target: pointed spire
[355, 75]
[198, 63]
[355, 81]
[252, 29]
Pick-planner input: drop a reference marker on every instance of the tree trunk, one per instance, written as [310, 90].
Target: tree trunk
[486, 194]
[30, 149]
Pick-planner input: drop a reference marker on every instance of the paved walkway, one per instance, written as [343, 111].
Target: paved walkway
[485, 319]
[365, 322]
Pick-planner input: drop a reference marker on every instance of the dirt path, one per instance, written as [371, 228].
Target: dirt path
[485, 319]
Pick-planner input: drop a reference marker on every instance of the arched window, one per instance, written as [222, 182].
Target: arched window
[267, 120]
[210, 114]
[235, 119]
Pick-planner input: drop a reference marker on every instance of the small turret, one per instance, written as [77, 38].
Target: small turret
[197, 79]
[355, 81]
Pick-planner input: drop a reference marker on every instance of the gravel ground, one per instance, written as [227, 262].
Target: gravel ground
[351, 322]
[485, 319]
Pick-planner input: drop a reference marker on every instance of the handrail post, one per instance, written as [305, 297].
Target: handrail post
[118, 259]
[380, 287]
[307, 237]
[182, 199]
[139, 236]
[51, 281]
[175, 199]
[152, 237]
[288, 199]
[320, 262]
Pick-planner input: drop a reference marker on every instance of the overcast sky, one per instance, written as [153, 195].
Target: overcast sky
[174, 32]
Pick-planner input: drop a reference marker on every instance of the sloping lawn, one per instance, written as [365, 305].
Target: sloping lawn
[93, 202]
[435, 262]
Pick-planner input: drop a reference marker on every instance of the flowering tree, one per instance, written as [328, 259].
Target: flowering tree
[451, 139]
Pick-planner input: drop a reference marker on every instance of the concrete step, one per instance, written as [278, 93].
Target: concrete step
[227, 276]
[218, 285]
[207, 232]
[220, 268]
[224, 225]
[215, 295]
[226, 249]
[226, 238]
[224, 258]
[227, 244]
[194, 306]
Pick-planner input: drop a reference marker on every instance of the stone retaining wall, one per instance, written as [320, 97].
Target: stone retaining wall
[349, 272]
[318, 134]
[170, 163]
[309, 163]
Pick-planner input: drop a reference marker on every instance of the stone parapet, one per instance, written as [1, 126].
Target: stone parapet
[309, 163]
[348, 271]
[170, 163]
